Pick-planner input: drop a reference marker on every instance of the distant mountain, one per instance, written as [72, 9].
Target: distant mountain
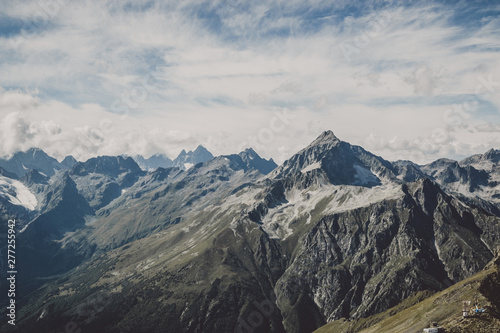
[102, 179]
[486, 161]
[68, 162]
[187, 160]
[408, 171]
[475, 179]
[154, 162]
[34, 158]
[184, 160]
[112, 166]
[253, 161]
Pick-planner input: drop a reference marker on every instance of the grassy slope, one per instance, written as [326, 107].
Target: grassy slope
[443, 307]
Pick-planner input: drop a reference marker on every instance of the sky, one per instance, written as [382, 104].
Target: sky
[416, 80]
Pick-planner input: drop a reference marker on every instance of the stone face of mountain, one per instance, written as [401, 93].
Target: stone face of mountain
[466, 175]
[185, 160]
[34, 177]
[34, 158]
[476, 178]
[253, 161]
[153, 162]
[7, 174]
[102, 179]
[219, 246]
[408, 171]
[414, 313]
[63, 210]
[111, 166]
[484, 161]
[366, 260]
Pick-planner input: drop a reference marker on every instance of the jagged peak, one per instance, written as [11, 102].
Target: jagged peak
[491, 153]
[249, 152]
[327, 137]
[200, 148]
[33, 151]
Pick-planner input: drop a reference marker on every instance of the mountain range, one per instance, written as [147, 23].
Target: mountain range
[184, 160]
[236, 243]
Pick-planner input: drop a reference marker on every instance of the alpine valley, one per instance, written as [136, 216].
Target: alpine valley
[236, 243]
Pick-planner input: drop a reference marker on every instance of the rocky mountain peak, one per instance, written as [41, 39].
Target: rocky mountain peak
[493, 155]
[252, 160]
[327, 137]
[153, 162]
[339, 162]
[200, 149]
[68, 162]
[249, 152]
[187, 159]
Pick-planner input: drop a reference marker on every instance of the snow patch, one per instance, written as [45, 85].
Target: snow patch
[329, 199]
[188, 165]
[17, 193]
[364, 176]
[311, 167]
[483, 165]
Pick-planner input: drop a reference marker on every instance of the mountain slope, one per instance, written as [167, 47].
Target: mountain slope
[153, 162]
[253, 161]
[102, 179]
[443, 307]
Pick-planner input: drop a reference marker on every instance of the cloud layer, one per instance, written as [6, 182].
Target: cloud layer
[107, 77]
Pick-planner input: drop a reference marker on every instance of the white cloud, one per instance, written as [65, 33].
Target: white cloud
[217, 79]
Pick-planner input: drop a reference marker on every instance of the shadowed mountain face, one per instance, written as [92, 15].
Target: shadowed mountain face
[34, 158]
[236, 244]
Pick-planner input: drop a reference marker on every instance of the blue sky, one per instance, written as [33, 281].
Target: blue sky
[405, 79]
